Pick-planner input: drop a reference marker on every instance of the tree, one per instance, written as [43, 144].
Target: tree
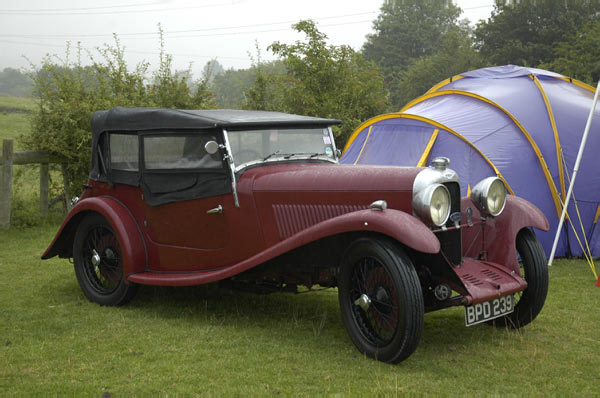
[455, 55]
[14, 83]
[265, 93]
[212, 69]
[322, 80]
[173, 89]
[68, 93]
[406, 30]
[526, 33]
[230, 86]
[578, 56]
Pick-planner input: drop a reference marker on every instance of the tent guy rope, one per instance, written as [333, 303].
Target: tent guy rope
[575, 169]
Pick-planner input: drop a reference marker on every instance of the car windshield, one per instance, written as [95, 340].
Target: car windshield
[277, 143]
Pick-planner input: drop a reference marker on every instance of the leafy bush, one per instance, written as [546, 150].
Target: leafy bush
[320, 80]
[68, 93]
[25, 199]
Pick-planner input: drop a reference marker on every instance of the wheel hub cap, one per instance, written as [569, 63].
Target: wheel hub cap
[363, 302]
[95, 258]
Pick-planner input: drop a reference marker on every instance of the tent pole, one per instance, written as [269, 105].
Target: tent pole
[575, 169]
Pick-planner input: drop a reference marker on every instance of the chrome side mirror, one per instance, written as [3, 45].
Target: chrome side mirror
[211, 147]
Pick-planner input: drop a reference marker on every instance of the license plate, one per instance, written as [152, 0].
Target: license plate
[487, 310]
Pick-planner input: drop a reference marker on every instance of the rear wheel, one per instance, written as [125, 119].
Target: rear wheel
[381, 300]
[534, 270]
[99, 263]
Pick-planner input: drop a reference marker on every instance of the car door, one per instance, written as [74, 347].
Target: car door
[185, 192]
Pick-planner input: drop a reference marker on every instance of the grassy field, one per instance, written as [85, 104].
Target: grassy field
[218, 342]
[19, 103]
[14, 118]
[14, 122]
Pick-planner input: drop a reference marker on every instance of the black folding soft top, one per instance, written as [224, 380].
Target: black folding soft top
[147, 119]
[136, 119]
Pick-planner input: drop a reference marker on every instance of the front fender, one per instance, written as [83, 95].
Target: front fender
[401, 226]
[499, 234]
[122, 222]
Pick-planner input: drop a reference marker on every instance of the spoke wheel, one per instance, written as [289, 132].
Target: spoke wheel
[381, 300]
[99, 263]
[534, 270]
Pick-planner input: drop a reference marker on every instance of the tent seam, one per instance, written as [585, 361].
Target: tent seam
[423, 160]
[364, 144]
[364, 125]
[559, 157]
[443, 127]
[440, 85]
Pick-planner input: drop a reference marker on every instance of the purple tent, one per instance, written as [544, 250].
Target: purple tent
[521, 124]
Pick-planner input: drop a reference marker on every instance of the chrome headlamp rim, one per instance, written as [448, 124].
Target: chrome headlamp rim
[481, 192]
[422, 204]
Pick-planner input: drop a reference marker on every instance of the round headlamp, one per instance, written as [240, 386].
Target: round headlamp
[432, 204]
[489, 195]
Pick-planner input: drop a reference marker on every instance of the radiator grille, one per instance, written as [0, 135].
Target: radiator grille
[451, 241]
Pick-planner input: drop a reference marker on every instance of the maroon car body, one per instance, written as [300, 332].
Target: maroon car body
[277, 219]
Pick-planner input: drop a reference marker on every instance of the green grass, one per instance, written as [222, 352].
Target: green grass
[12, 126]
[25, 188]
[25, 103]
[217, 342]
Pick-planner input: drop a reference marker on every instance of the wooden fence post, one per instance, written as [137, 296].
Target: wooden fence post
[67, 188]
[6, 187]
[44, 181]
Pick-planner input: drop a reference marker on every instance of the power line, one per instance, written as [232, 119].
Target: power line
[216, 34]
[127, 51]
[262, 31]
[474, 7]
[39, 36]
[79, 9]
[231, 2]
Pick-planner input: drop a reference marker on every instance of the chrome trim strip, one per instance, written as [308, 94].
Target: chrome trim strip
[229, 158]
[332, 138]
[280, 158]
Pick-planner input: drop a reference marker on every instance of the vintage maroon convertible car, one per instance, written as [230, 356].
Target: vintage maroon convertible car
[258, 200]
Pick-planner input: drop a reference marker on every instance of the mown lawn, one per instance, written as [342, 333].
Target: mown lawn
[202, 340]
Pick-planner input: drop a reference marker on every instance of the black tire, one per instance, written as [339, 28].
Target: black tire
[534, 270]
[100, 278]
[389, 329]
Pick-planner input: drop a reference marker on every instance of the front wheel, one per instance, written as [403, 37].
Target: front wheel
[381, 300]
[534, 270]
[99, 263]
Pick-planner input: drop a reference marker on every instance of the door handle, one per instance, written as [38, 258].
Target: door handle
[216, 210]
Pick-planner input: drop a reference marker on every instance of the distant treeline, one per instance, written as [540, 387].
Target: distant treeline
[14, 83]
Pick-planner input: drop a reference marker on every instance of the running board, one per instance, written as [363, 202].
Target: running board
[169, 278]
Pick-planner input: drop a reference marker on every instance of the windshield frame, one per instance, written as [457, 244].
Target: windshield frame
[281, 157]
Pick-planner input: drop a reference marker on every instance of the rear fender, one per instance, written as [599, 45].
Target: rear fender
[122, 222]
[499, 234]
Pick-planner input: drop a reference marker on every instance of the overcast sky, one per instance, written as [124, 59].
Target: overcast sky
[195, 30]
